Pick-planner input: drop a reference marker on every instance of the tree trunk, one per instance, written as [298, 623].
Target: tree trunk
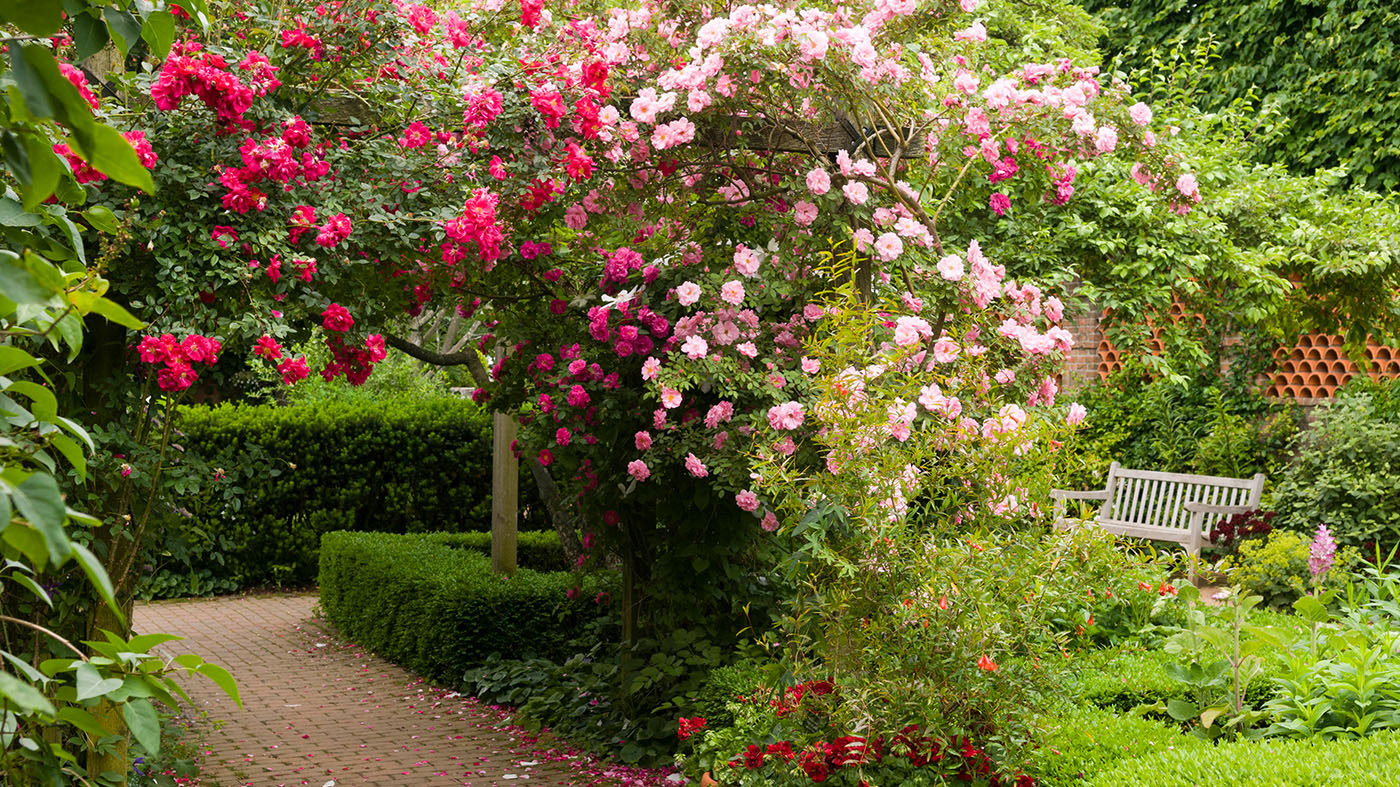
[561, 516]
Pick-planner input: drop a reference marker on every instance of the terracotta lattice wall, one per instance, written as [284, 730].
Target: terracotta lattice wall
[1311, 370]
[1317, 366]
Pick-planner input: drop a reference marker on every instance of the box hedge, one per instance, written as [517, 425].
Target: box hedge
[282, 476]
[1368, 762]
[432, 604]
[1082, 741]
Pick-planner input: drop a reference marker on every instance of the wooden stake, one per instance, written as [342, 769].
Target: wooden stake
[505, 494]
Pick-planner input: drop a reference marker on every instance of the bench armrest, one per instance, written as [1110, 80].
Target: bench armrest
[1205, 508]
[1070, 494]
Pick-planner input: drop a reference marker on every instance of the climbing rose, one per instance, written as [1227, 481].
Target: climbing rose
[1076, 415]
[746, 500]
[951, 267]
[293, 370]
[267, 347]
[695, 467]
[638, 470]
[336, 318]
[688, 293]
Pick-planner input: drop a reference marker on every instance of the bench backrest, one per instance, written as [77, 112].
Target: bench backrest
[1146, 498]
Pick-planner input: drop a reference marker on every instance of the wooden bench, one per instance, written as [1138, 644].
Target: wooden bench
[1164, 506]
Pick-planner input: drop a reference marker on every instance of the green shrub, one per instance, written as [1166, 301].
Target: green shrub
[282, 476]
[1083, 741]
[1189, 427]
[1347, 470]
[1124, 679]
[1121, 679]
[723, 686]
[1276, 567]
[621, 701]
[1369, 762]
[439, 610]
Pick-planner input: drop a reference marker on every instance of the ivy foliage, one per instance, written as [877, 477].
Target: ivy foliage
[1325, 65]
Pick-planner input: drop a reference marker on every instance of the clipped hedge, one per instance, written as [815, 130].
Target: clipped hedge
[538, 551]
[1083, 741]
[1368, 762]
[286, 475]
[437, 609]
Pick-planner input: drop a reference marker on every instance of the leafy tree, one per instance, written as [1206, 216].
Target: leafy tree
[1328, 68]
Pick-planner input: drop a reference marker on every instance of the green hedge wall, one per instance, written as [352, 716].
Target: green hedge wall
[286, 475]
[438, 610]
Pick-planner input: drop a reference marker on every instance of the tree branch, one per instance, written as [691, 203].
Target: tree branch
[467, 357]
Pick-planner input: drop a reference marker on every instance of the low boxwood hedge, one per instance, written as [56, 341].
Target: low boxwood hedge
[1082, 741]
[536, 550]
[1368, 762]
[435, 607]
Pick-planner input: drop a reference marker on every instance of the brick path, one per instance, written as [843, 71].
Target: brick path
[318, 710]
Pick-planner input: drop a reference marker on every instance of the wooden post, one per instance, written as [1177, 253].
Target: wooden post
[505, 488]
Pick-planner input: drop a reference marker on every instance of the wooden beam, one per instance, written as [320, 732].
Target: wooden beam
[505, 494]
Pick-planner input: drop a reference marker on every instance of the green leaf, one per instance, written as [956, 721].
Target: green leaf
[72, 452]
[63, 101]
[33, 587]
[1209, 715]
[76, 429]
[90, 682]
[123, 27]
[84, 721]
[45, 169]
[97, 576]
[1181, 710]
[17, 159]
[28, 541]
[89, 35]
[31, 85]
[144, 723]
[40, 502]
[222, 679]
[70, 330]
[159, 32]
[26, 669]
[102, 217]
[19, 283]
[117, 313]
[1311, 609]
[23, 696]
[112, 155]
[13, 214]
[35, 17]
[142, 643]
[45, 406]
[13, 358]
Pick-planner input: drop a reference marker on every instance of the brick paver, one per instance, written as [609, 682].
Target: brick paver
[319, 710]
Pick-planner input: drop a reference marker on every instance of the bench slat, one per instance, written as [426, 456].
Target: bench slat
[1187, 478]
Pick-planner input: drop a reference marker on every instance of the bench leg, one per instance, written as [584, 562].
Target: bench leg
[1193, 545]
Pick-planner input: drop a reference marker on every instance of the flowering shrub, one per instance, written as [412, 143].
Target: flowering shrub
[1226, 535]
